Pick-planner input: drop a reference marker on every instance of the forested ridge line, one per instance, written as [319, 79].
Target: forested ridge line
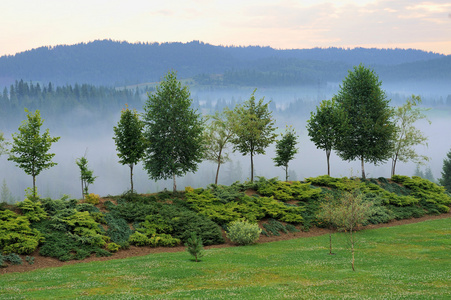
[114, 63]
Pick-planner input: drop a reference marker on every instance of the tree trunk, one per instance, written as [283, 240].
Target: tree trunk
[286, 172]
[217, 170]
[330, 243]
[393, 166]
[363, 169]
[174, 186]
[252, 167]
[131, 177]
[82, 190]
[352, 250]
[34, 187]
[328, 163]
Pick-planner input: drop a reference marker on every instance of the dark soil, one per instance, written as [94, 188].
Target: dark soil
[47, 262]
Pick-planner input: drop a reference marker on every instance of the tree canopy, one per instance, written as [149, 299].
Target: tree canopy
[30, 149]
[286, 149]
[129, 139]
[324, 127]
[218, 133]
[254, 128]
[173, 131]
[407, 136]
[369, 131]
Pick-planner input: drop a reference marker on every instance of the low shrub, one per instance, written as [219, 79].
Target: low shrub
[241, 232]
[113, 247]
[92, 199]
[16, 235]
[32, 210]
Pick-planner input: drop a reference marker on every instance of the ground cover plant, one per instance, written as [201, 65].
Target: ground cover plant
[404, 262]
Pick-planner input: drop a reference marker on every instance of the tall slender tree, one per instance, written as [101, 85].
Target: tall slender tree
[30, 149]
[325, 126]
[369, 130]
[129, 139]
[254, 128]
[86, 175]
[286, 149]
[407, 135]
[218, 133]
[173, 131]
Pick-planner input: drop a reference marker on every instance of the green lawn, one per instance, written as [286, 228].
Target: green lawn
[405, 262]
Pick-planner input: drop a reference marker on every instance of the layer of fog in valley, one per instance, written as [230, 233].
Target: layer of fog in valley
[85, 132]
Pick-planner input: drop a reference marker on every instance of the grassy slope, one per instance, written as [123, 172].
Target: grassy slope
[405, 262]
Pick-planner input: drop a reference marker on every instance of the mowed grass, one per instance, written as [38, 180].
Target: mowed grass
[405, 262]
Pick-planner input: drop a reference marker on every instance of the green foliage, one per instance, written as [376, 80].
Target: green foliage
[369, 131]
[29, 260]
[194, 246]
[30, 149]
[173, 131]
[325, 126]
[32, 210]
[92, 198]
[274, 227]
[113, 247]
[118, 229]
[242, 232]
[226, 193]
[253, 128]
[446, 172]
[407, 137]
[286, 191]
[12, 258]
[129, 139]
[249, 208]
[3, 144]
[286, 149]
[86, 176]
[430, 195]
[16, 235]
[217, 136]
[154, 231]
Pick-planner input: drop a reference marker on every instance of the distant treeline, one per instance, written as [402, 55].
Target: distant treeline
[114, 63]
[59, 100]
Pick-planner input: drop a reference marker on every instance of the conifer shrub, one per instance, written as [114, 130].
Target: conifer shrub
[32, 210]
[113, 247]
[92, 199]
[242, 232]
[16, 235]
[194, 246]
[118, 229]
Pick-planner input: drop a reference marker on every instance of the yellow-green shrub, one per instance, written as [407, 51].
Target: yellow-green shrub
[92, 198]
[241, 232]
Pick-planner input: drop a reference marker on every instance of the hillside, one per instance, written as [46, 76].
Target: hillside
[114, 63]
[48, 230]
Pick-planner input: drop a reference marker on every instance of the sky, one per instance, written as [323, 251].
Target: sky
[285, 24]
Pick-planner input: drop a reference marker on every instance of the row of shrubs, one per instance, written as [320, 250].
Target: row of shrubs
[69, 229]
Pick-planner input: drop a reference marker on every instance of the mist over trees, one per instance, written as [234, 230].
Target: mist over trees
[294, 81]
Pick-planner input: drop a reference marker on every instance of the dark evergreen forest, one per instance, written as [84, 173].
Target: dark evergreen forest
[113, 63]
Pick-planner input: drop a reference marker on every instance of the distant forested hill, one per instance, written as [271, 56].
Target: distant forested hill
[113, 63]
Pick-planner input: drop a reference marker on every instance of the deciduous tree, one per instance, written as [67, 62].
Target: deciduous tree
[369, 129]
[286, 149]
[218, 133]
[86, 176]
[30, 149]
[254, 128]
[173, 131]
[129, 139]
[407, 136]
[325, 126]
[347, 212]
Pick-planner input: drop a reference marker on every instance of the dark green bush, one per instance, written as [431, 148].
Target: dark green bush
[118, 229]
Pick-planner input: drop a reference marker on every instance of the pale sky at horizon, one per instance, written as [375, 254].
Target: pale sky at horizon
[285, 24]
